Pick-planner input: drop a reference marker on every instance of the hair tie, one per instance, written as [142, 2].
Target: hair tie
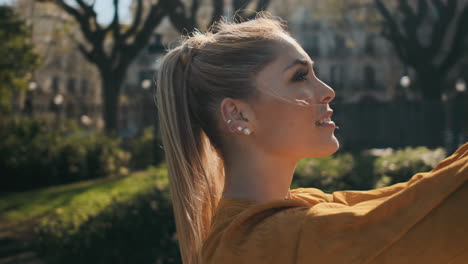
[185, 56]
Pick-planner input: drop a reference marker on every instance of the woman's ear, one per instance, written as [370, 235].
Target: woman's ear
[228, 110]
[240, 113]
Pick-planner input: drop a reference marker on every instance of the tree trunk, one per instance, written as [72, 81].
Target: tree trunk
[111, 84]
[430, 83]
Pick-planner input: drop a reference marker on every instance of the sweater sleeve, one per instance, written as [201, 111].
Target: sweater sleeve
[424, 220]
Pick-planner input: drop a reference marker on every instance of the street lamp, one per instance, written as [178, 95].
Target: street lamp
[146, 84]
[405, 81]
[403, 87]
[32, 86]
[29, 101]
[58, 101]
[460, 85]
[86, 120]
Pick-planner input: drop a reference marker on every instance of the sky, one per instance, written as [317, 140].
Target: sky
[104, 9]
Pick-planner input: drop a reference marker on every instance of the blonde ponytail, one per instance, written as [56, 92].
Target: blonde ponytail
[193, 79]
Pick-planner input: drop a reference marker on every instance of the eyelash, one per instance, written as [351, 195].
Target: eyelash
[300, 76]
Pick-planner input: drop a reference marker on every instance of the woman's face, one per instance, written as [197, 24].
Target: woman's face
[288, 127]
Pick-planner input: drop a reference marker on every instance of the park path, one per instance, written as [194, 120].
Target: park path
[13, 249]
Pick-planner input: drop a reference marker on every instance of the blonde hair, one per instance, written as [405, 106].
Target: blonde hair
[193, 79]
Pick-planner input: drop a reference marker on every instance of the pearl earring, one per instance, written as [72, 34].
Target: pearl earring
[247, 131]
[229, 121]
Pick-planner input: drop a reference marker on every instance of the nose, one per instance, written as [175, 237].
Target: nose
[327, 93]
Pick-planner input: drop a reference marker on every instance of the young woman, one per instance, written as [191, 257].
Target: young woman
[238, 109]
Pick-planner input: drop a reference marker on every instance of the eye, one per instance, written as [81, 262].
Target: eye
[300, 76]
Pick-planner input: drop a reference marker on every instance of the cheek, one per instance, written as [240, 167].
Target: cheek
[286, 129]
[291, 132]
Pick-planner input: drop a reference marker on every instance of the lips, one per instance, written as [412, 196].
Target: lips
[324, 121]
[325, 118]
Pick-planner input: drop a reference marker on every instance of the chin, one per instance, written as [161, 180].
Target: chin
[332, 147]
[327, 148]
[335, 146]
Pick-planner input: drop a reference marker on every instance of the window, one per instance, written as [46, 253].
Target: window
[340, 46]
[313, 47]
[316, 70]
[84, 87]
[369, 48]
[54, 87]
[336, 76]
[71, 86]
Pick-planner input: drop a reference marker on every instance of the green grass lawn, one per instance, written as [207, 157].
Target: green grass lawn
[74, 203]
[120, 220]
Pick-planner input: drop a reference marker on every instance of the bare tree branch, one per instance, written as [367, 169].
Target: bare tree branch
[176, 12]
[403, 35]
[446, 13]
[136, 21]
[115, 26]
[129, 51]
[438, 4]
[90, 13]
[391, 31]
[218, 8]
[87, 54]
[193, 12]
[410, 25]
[239, 7]
[422, 10]
[461, 36]
[127, 43]
[262, 5]
[84, 23]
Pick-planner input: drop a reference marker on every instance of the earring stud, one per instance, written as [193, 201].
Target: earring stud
[229, 121]
[247, 131]
[239, 128]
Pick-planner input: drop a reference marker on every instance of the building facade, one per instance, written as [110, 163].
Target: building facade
[65, 83]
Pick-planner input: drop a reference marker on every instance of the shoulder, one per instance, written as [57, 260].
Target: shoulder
[261, 233]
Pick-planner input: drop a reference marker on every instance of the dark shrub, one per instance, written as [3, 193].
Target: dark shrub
[373, 168]
[145, 150]
[138, 231]
[32, 155]
[326, 173]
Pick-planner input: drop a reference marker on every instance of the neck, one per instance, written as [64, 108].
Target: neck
[261, 180]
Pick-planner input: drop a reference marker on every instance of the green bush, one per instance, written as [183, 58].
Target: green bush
[365, 170]
[326, 173]
[145, 150]
[141, 230]
[33, 155]
[401, 165]
[342, 171]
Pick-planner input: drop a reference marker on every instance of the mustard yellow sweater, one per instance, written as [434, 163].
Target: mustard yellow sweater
[424, 220]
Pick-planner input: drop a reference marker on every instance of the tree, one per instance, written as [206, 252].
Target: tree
[113, 47]
[188, 23]
[18, 58]
[431, 60]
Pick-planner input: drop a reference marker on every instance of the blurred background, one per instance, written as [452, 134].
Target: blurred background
[83, 178]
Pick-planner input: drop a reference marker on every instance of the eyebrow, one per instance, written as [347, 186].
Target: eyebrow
[296, 62]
